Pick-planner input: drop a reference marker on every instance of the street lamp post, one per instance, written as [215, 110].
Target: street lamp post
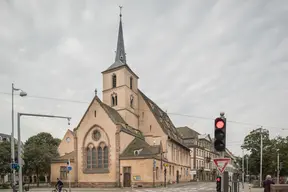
[261, 156]
[19, 141]
[247, 166]
[22, 94]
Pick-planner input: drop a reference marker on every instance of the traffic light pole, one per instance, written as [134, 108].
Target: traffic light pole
[20, 174]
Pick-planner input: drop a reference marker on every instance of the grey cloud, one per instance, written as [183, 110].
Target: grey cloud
[206, 56]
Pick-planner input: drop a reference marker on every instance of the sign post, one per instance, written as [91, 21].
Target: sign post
[154, 171]
[221, 164]
[69, 168]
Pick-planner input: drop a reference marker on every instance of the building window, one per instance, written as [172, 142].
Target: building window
[142, 114]
[96, 135]
[100, 157]
[114, 99]
[89, 158]
[169, 169]
[95, 113]
[157, 173]
[114, 81]
[63, 173]
[131, 82]
[150, 128]
[131, 101]
[97, 158]
[94, 159]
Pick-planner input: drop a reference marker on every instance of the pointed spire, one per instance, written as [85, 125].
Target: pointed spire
[120, 52]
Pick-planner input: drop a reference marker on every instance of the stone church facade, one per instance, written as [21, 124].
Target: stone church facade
[124, 140]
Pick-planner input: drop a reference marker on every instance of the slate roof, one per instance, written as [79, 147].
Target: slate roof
[70, 155]
[65, 157]
[187, 133]
[143, 149]
[115, 117]
[163, 120]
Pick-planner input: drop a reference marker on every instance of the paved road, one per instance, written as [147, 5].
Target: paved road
[190, 187]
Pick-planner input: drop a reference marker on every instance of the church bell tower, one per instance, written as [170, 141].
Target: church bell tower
[120, 84]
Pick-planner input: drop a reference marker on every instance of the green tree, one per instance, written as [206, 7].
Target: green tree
[39, 150]
[270, 149]
[5, 158]
[252, 144]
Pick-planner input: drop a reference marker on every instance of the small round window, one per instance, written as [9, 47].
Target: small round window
[96, 135]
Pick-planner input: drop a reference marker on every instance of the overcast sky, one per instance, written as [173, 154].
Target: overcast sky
[194, 58]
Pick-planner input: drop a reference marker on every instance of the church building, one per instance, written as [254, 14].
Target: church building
[125, 139]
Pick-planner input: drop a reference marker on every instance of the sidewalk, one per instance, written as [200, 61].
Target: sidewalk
[246, 188]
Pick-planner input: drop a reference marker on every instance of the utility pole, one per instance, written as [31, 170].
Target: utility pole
[247, 172]
[243, 168]
[261, 156]
[278, 166]
[20, 143]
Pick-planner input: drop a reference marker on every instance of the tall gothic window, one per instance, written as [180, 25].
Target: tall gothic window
[100, 157]
[89, 158]
[131, 82]
[94, 159]
[114, 81]
[97, 158]
[105, 157]
[131, 101]
[114, 99]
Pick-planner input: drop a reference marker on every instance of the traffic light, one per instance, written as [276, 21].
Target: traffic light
[218, 184]
[220, 134]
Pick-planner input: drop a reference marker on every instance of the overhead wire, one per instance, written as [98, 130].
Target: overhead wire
[170, 113]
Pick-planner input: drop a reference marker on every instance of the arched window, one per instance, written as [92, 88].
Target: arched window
[114, 81]
[131, 82]
[114, 99]
[89, 158]
[106, 157]
[94, 159]
[100, 157]
[131, 101]
[97, 158]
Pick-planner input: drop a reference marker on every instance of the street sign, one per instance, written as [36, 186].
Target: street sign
[221, 163]
[69, 168]
[154, 163]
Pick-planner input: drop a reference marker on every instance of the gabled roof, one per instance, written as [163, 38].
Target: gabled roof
[115, 117]
[64, 158]
[205, 136]
[163, 120]
[187, 133]
[139, 148]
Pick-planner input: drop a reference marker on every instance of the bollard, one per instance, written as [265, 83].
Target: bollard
[249, 187]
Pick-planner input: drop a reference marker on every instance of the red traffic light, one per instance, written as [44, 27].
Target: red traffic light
[218, 179]
[219, 123]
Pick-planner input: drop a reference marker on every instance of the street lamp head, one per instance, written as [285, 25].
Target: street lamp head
[23, 94]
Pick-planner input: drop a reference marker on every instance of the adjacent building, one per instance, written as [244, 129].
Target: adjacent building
[125, 139]
[202, 155]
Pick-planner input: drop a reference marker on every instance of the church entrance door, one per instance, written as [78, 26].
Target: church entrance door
[127, 176]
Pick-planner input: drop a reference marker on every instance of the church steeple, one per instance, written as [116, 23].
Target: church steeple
[120, 58]
[120, 52]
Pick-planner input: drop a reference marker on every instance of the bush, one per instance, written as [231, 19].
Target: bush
[4, 186]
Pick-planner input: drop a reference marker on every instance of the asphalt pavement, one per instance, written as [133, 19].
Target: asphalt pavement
[188, 187]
